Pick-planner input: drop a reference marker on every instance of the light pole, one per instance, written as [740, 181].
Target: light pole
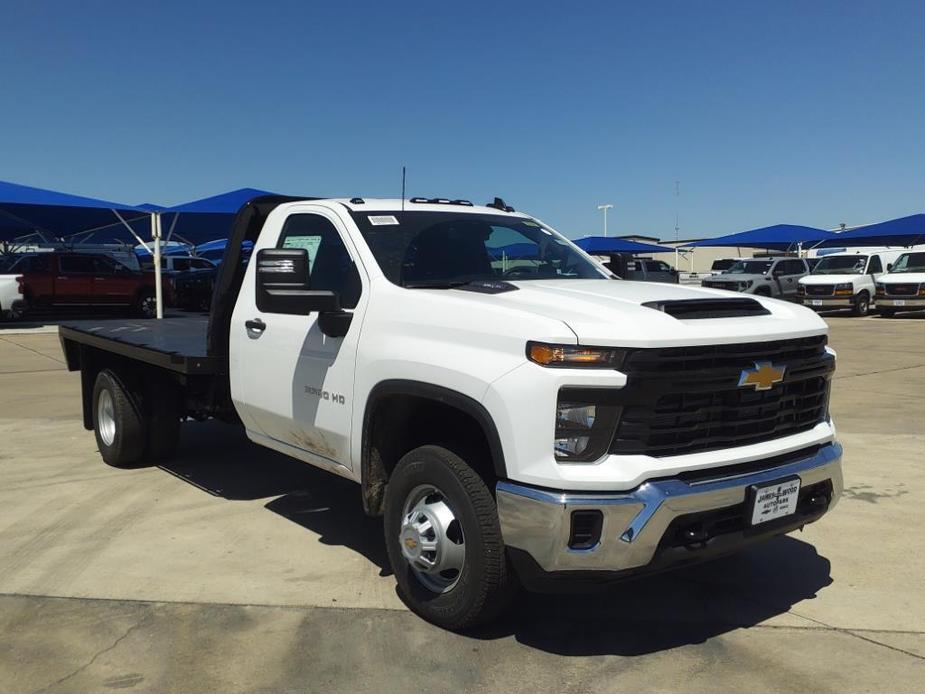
[605, 208]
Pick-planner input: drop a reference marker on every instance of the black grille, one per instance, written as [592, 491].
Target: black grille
[902, 289]
[687, 399]
[820, 289]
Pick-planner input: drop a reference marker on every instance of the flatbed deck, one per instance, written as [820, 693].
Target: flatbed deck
[177, 344]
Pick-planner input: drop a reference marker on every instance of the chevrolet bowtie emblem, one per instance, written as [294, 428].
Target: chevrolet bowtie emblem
[763, 376]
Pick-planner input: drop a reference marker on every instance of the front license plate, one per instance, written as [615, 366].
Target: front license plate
[899, 302]
[774, 500]
[817, 302]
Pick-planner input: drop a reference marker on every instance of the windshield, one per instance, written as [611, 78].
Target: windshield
[841, 265]
[722, 264]
[441, 249]
[750, 267]
[909, 262]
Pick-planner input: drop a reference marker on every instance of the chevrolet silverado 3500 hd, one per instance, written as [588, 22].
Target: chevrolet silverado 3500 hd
[517, 414]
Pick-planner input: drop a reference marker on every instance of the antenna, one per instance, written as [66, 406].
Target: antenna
[402, 187]
[677, 225]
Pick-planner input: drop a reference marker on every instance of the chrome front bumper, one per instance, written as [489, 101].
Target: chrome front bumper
[538, 521]
[843, 302]
[901, 302]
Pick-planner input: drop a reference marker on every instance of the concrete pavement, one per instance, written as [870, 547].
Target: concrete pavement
[236, 569]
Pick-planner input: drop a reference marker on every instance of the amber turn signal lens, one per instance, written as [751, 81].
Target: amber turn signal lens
[573, 355]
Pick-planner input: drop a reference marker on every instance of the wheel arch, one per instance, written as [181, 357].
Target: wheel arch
[376, 464]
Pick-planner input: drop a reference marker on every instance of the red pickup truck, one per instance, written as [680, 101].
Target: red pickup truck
[72, 280]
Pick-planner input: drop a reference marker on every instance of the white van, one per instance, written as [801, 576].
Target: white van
[846, 279]
[903, 288]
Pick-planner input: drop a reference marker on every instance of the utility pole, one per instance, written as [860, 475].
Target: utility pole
[604, 208]
[677, 224]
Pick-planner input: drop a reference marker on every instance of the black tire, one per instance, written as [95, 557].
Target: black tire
[164, 409]
[123, 444]
[861, 305]
[886, 312]
[485, 584]
[145, 304]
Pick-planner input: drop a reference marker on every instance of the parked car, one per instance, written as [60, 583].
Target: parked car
[10, 295]
[510, 426]
[82, 280]
[777, 277]
[192, 290]
[903, 287]
[178, 263]
[845, 280]
[721, 265]
[642, 269]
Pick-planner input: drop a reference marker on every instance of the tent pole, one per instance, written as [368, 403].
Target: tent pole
[130, 230]
[158, 287]
[176, 216]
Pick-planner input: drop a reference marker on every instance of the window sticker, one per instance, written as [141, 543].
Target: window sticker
[309, 243]
[378, 220]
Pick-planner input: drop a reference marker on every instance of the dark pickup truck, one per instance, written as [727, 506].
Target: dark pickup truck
[73, 280]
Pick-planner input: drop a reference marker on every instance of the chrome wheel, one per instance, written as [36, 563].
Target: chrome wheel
[149, 307]
[106, 417]
[431, 539]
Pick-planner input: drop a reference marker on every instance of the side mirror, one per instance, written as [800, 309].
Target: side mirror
[889, 266]
[284, 285]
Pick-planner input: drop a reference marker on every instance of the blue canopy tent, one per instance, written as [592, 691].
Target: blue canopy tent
[905, 231]
[206, 219]
[607, 245]
[51, 215]
[780, 237]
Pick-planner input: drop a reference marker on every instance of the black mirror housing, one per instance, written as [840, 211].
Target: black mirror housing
[284, 284]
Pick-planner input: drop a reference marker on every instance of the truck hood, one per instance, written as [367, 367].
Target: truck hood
[733, 279]
[902, 278]
[831, 279]
[610, 312]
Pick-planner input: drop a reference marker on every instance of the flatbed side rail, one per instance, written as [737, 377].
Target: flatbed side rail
[172, 361]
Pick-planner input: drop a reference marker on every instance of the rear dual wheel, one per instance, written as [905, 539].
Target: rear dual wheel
[444, 540]
[131, 427]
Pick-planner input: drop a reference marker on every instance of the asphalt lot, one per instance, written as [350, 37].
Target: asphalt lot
[235, 569]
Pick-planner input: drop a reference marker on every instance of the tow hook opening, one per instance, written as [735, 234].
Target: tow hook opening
[585, 532]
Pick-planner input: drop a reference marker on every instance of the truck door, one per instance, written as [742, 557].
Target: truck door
[113, 283]
[787, 272]
[74, 281]
[292, 384]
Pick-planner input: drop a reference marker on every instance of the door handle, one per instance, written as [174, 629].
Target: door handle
[255, 327]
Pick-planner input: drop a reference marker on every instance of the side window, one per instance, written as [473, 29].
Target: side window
[330, 265]
[181, 264]
[875, 266]
[103, 266]
[657, 266]
[200, 264]
[76, 263]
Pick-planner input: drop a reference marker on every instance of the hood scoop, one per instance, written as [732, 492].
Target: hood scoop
[692, 309]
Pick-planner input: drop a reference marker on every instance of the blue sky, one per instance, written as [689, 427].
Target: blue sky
[798, 112]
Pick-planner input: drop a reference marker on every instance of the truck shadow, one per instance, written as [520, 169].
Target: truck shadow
[648, 615]
[668, 610]
[221, 461]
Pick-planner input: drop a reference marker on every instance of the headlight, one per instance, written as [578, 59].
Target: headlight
[801, 289]
[585, 424]
[922, 290]
[881, 289]
[575, 356]
[844, 289]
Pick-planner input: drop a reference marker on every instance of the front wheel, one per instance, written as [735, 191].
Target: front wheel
[444, 540]
[862, 305]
